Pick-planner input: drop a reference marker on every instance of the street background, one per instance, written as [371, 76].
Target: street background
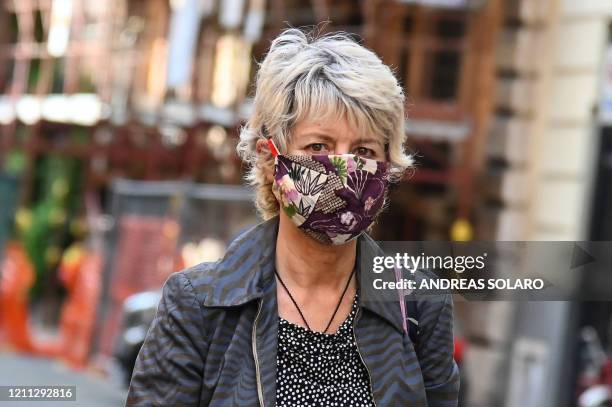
[118, 126]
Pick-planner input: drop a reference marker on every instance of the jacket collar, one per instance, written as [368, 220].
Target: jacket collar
[246, 272]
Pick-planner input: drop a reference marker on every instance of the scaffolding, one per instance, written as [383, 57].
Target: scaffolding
[93, 81]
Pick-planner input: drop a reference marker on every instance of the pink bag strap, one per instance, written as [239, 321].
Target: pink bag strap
[402, 301]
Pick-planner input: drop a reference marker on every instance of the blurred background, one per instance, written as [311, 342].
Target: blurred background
[118, 126]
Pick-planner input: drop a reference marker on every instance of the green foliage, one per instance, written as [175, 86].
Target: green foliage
[8, 204]
[360, 163]
[15, 162]
[57, 190]
[290, 209]
[340, 166]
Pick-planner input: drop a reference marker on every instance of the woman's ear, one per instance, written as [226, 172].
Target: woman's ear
[261, 146]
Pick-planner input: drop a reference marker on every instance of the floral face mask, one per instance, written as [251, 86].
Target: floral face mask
[332, 198]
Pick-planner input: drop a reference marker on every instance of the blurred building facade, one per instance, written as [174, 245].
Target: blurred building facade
[157, 89]
[547, 179]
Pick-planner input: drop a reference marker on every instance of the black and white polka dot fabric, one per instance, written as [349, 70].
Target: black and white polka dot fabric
[319, 369]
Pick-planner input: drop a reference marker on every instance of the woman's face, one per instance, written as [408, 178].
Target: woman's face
[334, 137]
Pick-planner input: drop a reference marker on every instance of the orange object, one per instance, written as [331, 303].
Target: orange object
[70, 267]
[16, 279]
[79, 272]
[81, 275]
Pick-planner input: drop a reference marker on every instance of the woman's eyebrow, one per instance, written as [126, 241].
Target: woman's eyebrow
[322, 136]
[319, 135]
[365, 140]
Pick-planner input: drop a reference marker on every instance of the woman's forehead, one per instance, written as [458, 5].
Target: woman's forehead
[333, 129]
[328, 124]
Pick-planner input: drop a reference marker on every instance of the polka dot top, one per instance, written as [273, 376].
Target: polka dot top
[320, 369]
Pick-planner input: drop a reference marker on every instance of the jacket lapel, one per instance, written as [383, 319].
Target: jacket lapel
[387, 304]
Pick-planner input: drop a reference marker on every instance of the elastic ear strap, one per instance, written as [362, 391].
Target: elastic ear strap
[272, 146]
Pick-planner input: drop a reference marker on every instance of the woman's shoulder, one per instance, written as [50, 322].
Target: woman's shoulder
[236, 278]
[202, 282]
[240, 275]
[198, 275]
[188, 285]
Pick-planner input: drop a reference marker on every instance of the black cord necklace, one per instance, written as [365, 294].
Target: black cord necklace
[300, 311]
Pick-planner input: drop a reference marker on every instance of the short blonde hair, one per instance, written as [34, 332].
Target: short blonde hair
[305, 76]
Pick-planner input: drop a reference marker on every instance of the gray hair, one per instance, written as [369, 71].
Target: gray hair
[304, 76]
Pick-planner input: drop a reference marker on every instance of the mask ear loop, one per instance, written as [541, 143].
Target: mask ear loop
[272, 147]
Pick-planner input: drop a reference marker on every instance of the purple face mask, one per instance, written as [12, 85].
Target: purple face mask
[332, 198]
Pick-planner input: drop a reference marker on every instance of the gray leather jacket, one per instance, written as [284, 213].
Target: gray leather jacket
[213, 341]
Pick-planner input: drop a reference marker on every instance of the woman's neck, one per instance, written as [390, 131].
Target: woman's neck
[307, 263]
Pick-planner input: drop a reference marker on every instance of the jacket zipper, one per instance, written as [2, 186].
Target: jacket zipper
[254, 343]
[361, 357]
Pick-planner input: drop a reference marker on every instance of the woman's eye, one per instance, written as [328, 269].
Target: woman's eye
[316, 147]
[364, 152]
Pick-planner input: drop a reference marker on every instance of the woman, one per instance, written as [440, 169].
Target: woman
[281, 319]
